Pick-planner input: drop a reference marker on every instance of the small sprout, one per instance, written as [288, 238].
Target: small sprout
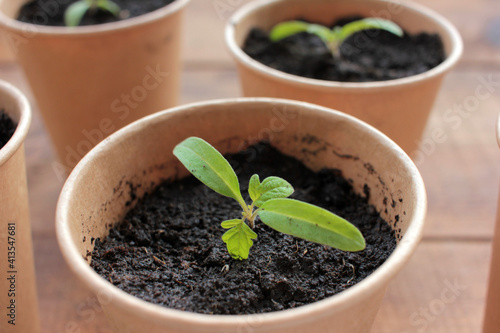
[333, 38]
[75, 12]
[269, 202]
[225, 269]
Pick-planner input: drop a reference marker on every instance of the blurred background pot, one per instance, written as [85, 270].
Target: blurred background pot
[399, 108]
[97, 195]
[492, 316]
[18, 295]
[90, 81]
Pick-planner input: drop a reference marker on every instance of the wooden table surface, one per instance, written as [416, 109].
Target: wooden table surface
[442, 289]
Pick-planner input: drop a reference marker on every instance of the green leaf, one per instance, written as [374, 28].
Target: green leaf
[209, 166]
[311, 223]
[289, 28]
[368, 23]
[239, 240]
[110, 6]
[322, 32]
[252, 187]
[272, 188]
[75, 12]
[230, 223]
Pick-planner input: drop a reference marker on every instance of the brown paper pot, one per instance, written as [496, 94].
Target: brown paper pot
[399, 108]
[18, 297]
[492, 317]
[5, 52]
[95, 197]
[90, 81]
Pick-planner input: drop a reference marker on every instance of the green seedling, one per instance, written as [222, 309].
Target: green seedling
[269, 202]
[333, 38]
[75, 12]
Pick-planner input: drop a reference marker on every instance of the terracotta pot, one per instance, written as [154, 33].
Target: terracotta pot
[399, 108]
[97, 195]
[17, 273]
[5, 52]
[90, 81]
[492, 317]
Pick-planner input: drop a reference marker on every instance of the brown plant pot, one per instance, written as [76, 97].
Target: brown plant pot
[399, 108]
[492, 316]
[97, 195]
[5, 52]
[17, 271]
[90, 81]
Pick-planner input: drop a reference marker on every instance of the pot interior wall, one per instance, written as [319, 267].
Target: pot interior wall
[17, 108]
[10, 8]
[10, 105]
[326, 11]
[132, 162]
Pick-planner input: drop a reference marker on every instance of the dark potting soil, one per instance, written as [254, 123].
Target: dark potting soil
[51, 12]
[7, 128]
[168, 250]
[371, 55]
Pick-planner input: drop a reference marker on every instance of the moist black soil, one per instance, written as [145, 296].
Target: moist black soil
[168, 250]
[7, 128]
[371, 55]
[51, 12]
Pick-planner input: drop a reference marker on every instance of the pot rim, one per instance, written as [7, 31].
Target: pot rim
[251, 64]
[130, 23]
[159, 313]
[23, 110]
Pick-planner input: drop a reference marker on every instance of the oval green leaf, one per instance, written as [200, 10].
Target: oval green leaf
[239, 240]
[365, 24]
[311, 223]
[75, 12]
[289, 28]
[110, 6]
[272, 188]
[209, 166]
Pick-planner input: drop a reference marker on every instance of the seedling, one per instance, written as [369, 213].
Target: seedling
[333, 38]
[269, 202]
[75, 12]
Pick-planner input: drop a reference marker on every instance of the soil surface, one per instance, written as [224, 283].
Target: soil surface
[7, 128]
[371, 55]
[169, 251]
[51, 12]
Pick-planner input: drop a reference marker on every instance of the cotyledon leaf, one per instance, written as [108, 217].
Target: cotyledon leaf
[311, 223]
[110, 6]
[289, 28]
[333, 36]
[209, 166]
[75, 12]
[368, 23]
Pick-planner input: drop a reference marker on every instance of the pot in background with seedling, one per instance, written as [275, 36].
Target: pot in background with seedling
[398, 106]
[91, 80]
[114, 177]
[17, 272]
